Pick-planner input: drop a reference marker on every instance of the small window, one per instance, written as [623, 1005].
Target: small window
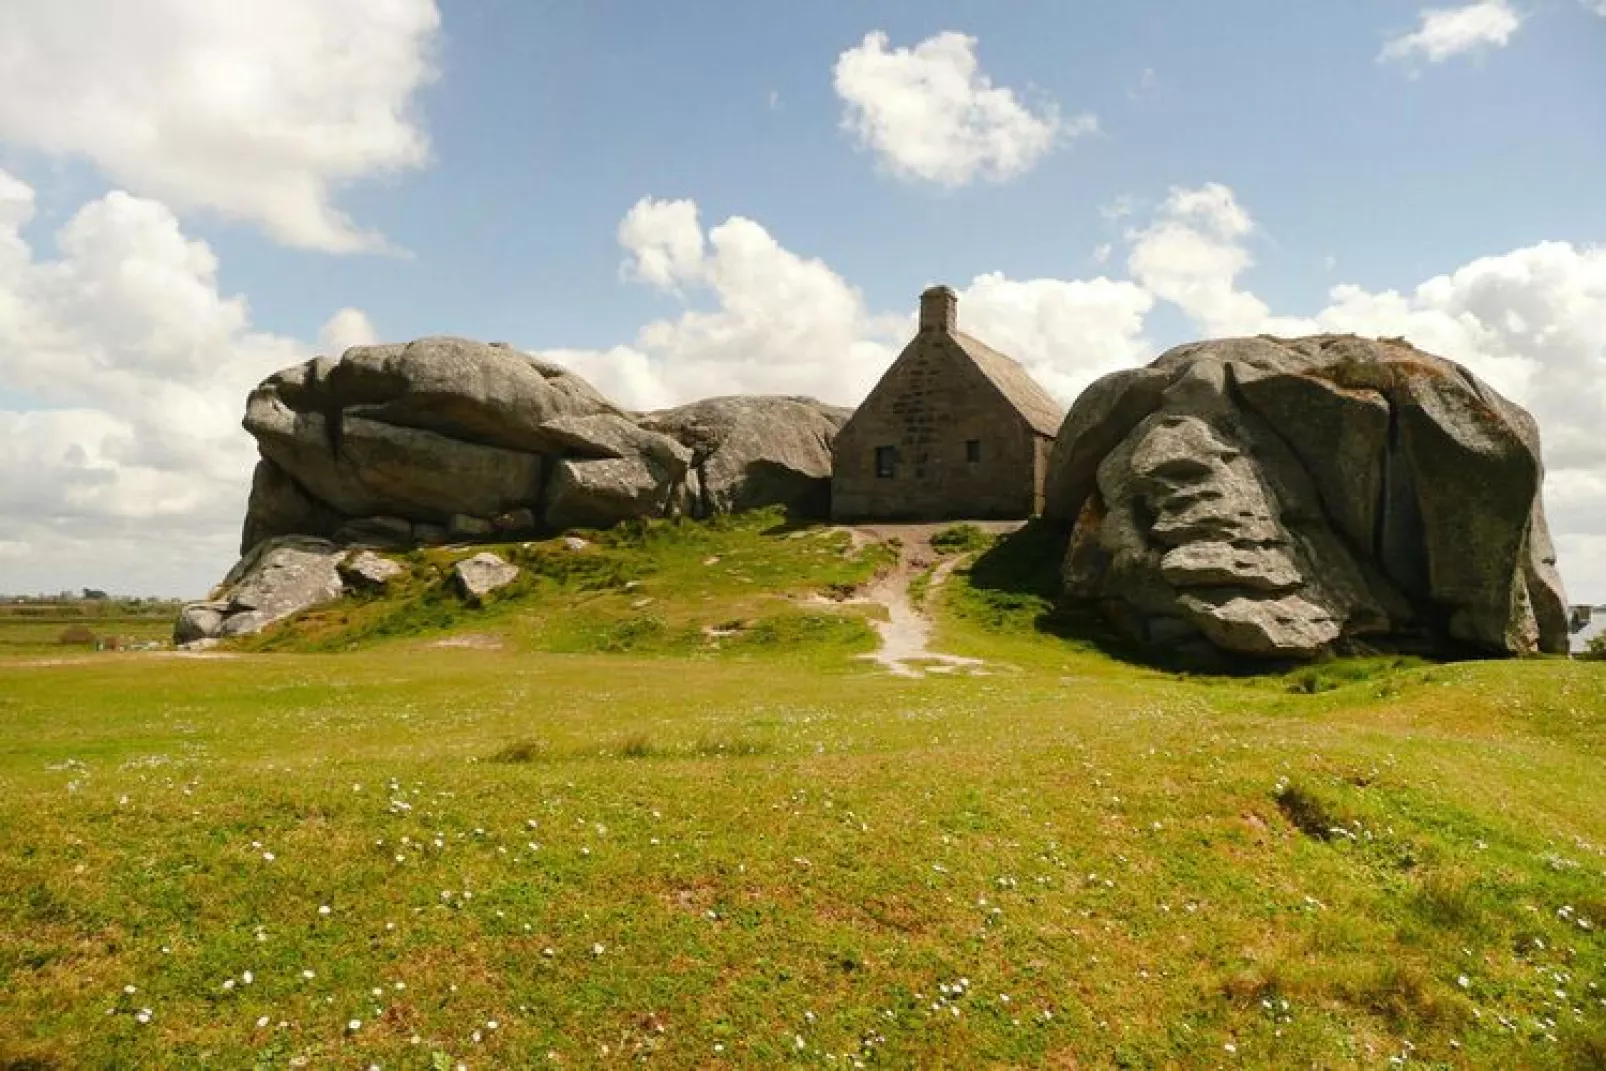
[886, 461]
[973, 451]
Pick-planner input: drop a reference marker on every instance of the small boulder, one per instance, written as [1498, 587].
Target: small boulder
[279, 577]
[365, 569]
[198, 621]
[482, 574]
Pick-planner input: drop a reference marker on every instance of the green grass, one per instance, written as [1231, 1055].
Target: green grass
[68, 628]
[770, 840]
[656, 587]
[961, 539]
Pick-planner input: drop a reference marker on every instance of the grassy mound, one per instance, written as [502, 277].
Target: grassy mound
[602, 840]
[734, 585]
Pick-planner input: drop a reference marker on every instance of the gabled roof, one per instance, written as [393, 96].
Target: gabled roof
[1017, 386]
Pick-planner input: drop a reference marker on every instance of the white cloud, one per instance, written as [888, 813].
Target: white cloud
[132, 463]
[1450, 31]
[258, 110]
[1067, 332]
[1597, 6]
[780, 322]
[1191, 255]
[665, 243]
[785, 323]
[930, 113]
[345, 329]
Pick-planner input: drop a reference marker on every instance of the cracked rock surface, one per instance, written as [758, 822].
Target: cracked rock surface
[1279, 498]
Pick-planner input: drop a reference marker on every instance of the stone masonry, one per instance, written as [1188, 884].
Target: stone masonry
[954, 430]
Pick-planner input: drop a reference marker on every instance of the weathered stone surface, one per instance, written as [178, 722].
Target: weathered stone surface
[390, 532]
[276, 578]
[1099, 419]
[482, 574]
[608, 435]
[280, 506]
[363, 467]
[754, 451]
[199, 621]
[487, 394]
[463, 528]
[953, 430]
[520, 521]
[601, 492]
[478, 440]
[1280, 497]
[365, 569]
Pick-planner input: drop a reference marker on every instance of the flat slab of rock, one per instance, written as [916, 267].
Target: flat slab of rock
[482, 574]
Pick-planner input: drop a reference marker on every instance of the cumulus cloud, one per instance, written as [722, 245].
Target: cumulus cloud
[768, 320]
[260, 115]
[1445, 32]
[930, 113]
[346, 328]
[1191, 255]
[137, 365]
[762, 318]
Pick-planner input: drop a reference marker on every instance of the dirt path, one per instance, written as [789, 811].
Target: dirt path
[906, 633]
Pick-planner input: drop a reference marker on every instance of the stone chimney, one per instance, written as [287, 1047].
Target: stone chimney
[939, 309]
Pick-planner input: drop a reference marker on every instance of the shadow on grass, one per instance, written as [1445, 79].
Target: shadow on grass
[1016, 583]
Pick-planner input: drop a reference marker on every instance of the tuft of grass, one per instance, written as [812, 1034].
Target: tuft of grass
[961, 539]
[637, 746]
[521, 751]
[732, 747]
[1340, 672]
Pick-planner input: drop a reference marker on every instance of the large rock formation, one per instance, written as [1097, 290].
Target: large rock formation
[448, 439]
[1277, 498]
[749, 452]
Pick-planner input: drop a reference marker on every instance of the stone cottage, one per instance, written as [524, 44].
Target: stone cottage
[954, 430]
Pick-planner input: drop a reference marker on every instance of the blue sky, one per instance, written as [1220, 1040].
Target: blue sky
[1247, 159]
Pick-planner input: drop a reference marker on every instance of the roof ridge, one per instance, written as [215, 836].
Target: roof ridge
[1015, 383]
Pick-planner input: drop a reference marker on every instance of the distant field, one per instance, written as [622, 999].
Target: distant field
[651, 806]
[61, 628]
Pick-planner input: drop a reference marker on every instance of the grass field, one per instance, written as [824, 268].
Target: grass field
[60, 628]
[698, 831]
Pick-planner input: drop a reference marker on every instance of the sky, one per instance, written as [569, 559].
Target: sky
[686, 199]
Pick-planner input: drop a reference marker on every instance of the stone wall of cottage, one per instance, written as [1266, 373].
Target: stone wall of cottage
[931, 403]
